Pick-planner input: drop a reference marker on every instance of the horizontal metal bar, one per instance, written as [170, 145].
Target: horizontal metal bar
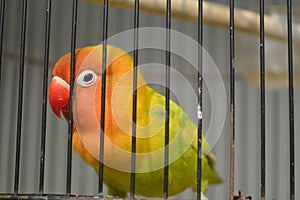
[214, 14]
[62, 197]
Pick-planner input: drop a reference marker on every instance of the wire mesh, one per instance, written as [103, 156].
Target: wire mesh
[20, 96]
[262, 100]
[291, 99]
[72, 79]
[2, 6]
[103, 97]
[200, 89]
[264, 189]
[45, 96]
[167, 95]
[134, 101]
[232, 99]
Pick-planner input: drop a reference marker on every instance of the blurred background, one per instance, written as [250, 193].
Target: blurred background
[216, 43]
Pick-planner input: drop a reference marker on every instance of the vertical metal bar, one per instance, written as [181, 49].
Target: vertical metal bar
[72, 78]
[232, 100]
[291, 99]
[20, 96]
[167, 93]
[199, 108]
[2, 9]
[262, 101]
[103, 95]
[45, 94]
[134, 101]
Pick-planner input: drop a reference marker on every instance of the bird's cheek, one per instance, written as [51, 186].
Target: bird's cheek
[98, 101]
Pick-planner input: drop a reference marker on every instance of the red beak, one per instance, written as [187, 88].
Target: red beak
[59, 95]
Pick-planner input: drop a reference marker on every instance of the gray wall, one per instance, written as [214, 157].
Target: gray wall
[84, 179]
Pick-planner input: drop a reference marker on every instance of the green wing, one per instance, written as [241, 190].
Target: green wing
[180, 122]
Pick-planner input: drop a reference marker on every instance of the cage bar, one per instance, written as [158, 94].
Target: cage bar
[20, 95]
[232, 100]
[167, 94]
[134, 102]
[45, 95]
[262, 100]
[103, 95]
[199, 108]
[291, 98]
[72, 78]
[2, 10]
[22, 99]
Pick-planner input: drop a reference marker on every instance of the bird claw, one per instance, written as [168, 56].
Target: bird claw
[240, 196]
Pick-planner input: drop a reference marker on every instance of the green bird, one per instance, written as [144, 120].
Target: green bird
[150, 126]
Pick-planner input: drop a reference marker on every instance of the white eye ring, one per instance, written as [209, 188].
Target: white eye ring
[87, 78]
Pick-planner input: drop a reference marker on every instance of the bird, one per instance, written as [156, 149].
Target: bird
[117, 142]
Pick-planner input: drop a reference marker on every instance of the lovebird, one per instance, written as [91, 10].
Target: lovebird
[117, 145]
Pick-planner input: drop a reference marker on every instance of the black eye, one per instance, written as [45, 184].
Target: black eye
[87, 78]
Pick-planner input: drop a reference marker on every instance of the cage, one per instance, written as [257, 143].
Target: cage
[246, 108]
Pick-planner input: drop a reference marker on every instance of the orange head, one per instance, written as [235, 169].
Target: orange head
[88, 71]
